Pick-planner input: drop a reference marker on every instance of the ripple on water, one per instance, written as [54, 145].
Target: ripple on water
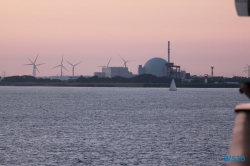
[115, 126]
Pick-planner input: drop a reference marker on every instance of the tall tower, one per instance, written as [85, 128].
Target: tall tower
[168, 51]
[167, 67]
[212, 71]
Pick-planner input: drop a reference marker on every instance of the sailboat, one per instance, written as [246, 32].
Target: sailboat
[173, 86]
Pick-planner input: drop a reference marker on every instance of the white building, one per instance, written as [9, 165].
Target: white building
[114, 71]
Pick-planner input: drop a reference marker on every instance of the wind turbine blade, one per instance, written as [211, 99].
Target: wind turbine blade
[40, 64]
[37, 70]
[64, 67]
[121, 57]
[27, 64]
[109, 61]
[62, 59]
[56, 66]
[31, 61]
[77, 63]
[70, 63]
[36, 58]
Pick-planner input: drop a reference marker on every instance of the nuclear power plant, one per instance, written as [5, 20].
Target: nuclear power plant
[155, 66]
[162, 68]
[114, 71]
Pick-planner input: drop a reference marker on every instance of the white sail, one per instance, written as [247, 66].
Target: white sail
[173, 86]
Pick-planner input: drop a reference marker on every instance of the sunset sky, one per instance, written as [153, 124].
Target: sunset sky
[202, 33]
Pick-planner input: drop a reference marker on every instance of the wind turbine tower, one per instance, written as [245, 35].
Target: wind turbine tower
[34, 66]
[125, 62]
[73, 68]
[61, 65]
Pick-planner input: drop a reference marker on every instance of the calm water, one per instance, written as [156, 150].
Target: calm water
[115, 126]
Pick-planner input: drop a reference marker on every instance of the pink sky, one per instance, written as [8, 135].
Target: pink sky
[202, 33]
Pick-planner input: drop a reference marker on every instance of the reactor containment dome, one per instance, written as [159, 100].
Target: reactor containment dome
[155, 66]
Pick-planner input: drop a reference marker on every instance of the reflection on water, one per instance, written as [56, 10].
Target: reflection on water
[115, 126]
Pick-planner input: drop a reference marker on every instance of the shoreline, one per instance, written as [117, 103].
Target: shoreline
[143, 85]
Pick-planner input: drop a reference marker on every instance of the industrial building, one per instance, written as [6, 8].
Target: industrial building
[114, 71]
[162, 68]
[155, 66]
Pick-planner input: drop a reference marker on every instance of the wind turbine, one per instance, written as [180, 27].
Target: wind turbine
[34, 66]
[73, 68]
[125, 62]
[107, 64]
[61, 67]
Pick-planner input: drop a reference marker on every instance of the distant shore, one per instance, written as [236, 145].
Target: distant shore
[147, 85]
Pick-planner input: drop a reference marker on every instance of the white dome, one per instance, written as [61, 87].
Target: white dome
[155, 66]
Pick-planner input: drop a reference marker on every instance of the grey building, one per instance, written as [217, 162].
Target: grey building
[114, 71]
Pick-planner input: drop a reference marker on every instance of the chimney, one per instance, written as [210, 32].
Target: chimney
[168, 51]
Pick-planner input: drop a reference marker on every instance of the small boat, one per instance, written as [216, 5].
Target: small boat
[173, 86]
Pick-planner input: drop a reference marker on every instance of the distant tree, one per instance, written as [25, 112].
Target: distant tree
[196, 80]
[143, 78]
[94, 79]
[80, 79]
[24, 78]
[56, 80]
[220, 81]
[119, 79]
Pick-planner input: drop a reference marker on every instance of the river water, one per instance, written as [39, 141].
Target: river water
[115, 126]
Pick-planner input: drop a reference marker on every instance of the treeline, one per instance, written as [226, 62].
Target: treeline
[145, 78]
[27, 78]
[221, 80]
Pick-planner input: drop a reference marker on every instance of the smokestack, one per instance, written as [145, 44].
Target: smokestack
[168, 51]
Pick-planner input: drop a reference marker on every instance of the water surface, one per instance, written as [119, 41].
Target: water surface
[115, 126]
